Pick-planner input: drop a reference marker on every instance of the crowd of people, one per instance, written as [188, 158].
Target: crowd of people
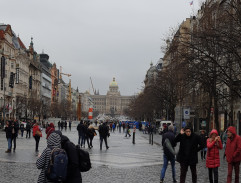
[209, 145]
[190, 144]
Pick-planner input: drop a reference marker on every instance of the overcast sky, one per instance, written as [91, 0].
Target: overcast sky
[101, 39]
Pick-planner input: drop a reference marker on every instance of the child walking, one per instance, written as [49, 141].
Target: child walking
[212, 160]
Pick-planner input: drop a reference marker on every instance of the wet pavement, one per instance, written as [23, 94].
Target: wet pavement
[122, 162]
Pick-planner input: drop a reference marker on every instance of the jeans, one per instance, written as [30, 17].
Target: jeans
[9, 143]
[22, 133]
[28, 134]
[203, 153]
[164, 168]
[212, 171]
[184, 168]
[234, 165]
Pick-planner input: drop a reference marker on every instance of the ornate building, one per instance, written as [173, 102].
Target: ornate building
[111, 104]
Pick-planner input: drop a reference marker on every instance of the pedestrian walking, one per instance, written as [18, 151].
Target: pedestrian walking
[91, 133]
[113, 126]
[190, 144]
[224, 138]
[28, 130]
[233, 153]
[123, 126]
[8, 130]
[80, 130]
[119, 127]
[54, 141]
[168, 155]
[204, 138]
[65, 125]
[14, 134]
[59, 125]
[128, 130]
[104, 133]
[36, 134]
[49, 130]
[84, 134]
[70, 125]
[214, 144]
[22, 129]
[62, 125]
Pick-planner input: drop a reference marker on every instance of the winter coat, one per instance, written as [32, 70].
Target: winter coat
[36, 128]
[103, 130]
[28, 126]
[169, 135]
[189, 147]
[233, 147]
[54, 141]
[16, 128]
[49, 130]
[80, 129]
[212, 159]
[8, 131]
[73, 172]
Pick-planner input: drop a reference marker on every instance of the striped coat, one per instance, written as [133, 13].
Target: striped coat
[42, 163]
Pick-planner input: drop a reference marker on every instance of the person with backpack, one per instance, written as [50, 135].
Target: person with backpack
[53, 161]
[214, 144]
[168, 155]
[36, 134]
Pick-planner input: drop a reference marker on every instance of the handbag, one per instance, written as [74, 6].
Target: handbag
[38, 133]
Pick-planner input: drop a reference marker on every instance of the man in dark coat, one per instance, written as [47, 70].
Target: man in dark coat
[28, 130]
[168, 155]
[8, 130]
[104, 133]
[14, 134]
[190, 144]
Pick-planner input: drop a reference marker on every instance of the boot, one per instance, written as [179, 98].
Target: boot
[8, 151]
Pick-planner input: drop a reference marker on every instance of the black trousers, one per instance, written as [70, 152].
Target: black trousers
[213, 172]
[37, 138]
[14, 142]
[101, 141]
[28, 134]
[184, 168]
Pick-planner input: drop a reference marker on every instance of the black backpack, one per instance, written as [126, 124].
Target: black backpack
[57, 168]
[84, 159]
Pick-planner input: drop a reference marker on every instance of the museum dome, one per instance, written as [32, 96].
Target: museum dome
[114, 83]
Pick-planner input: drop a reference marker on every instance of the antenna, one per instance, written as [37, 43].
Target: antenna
[92, 86]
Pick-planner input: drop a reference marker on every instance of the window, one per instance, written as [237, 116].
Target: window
[12, 65]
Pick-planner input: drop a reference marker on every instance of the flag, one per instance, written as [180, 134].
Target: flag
[191, 3]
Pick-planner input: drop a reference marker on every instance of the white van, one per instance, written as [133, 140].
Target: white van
[162, 124]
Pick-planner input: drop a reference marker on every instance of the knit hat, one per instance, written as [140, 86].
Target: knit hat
[170, 128]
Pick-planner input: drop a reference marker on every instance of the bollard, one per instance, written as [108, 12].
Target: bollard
[133, 141]
[134, 134]
[151, 138]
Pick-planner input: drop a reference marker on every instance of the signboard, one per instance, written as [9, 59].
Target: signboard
[17, 76]
[204, 123]
[186, 113]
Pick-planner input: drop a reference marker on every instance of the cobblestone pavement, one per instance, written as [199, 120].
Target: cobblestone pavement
[123, 162]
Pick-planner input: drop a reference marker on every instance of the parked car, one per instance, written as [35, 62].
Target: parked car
[162, 124]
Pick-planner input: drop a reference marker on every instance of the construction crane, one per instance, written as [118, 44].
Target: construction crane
[92, 86]
[60, 76]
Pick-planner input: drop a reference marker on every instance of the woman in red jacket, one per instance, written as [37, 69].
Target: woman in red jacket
[213, 161]
[36, 134]
[49, 130]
